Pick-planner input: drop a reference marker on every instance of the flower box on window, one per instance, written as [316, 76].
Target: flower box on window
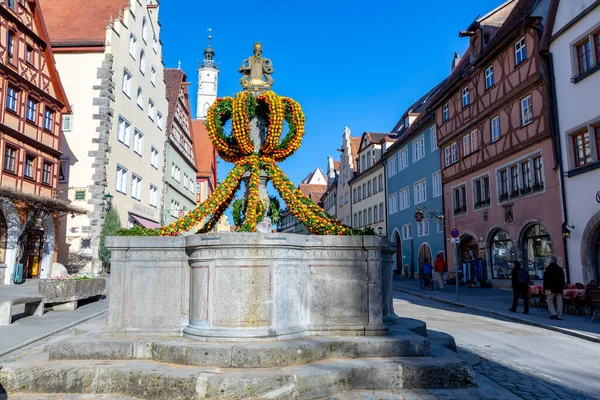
[526, 190]
[503, 197]
[514, 194]
[537, 187]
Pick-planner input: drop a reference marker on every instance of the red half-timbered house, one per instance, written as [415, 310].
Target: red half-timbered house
[32, 102]
[499, 170]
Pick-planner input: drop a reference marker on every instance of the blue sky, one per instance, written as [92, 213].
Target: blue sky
[349, 63]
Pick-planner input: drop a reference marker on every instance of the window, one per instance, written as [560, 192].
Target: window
[503, 184]
[151, 110]
[495, 128]
[48, 119]
[67, 121]
[584, 56]
[525, 175]
[454, 152]
[46, 173]
[63, 170]
[175, 208]
[406, 122]
[375, 214]
[127, 79]
[474, 141]
[11, 4]
[437, 184]
[520, 52]
[132, 45]
[393, 203]
[481, 192]
[433, 138]
[526, 110]
[466, 97]
[31, 109]
[369, 159]
[12, 99]
[145, 29]
[489, 77]
[155, 44]
[538, 174]
[140, 98]
[447, 159]
[359, 218]
[29, 166]
[440, 226]
[121, 184]
[359, 193]
[423, 228]
[392, 166]
[354, 196]
[460, 199]
[10, 46]
[370, 218]
[419, 149]
[582, 148]
[29, 55]
[154, 157]
[10, 159]
[138, 142]
[381, 211]
[159, 120]
[537, 250]
[503, 254]
[152, 199]
[420, 191]
[407, 232]
[143, 62]
[80, 195]
[403, 158]
[364, 221]
[136, 187]
[364, 190]
[380, 182]
[597, 133]
[176, 172]
[355, 220]
[123, 131]
[369, 188]
[445, 113]
[514, 180]
[404, 198]
[153, 76]
[466, 145]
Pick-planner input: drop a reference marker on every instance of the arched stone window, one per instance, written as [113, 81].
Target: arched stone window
[3, 237]
[537, 250]
[502, 254]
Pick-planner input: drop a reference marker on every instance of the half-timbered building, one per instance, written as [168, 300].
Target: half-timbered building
[499, 167]
[32, 103]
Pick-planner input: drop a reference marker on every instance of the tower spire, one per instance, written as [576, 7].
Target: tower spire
[208, 78]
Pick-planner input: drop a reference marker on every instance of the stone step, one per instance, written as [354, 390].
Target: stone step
[401, 343]
[154, 380]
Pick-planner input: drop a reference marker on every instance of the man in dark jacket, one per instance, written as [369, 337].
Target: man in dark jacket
[554, 282]
[520, 285]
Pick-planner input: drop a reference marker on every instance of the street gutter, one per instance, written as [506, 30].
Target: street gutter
[577, 334]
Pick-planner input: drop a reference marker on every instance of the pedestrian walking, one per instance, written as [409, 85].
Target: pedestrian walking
[554, 283]
[439, 265]
[427, 270]
[520, 285]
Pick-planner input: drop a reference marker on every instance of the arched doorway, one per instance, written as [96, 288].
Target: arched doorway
[537, 250]
[470, 270]
[424, 253]
[502, 254]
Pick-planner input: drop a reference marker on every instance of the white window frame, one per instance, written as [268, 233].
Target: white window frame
[489, 77]
[445, 113]
[151, 110]
[154, 157]
[433, 138]
[403, 158]
[127, 82]
[407, 232]
[153, 76]
[124, 135]
[440, 226]
[392, 165]
[159, 120]
[466, 97]
[393, 201]
[153, 196]
[404, 198]
[140, 98]
[132, 45]
[495, 135]
[447, 159]
[121, 180]
[466, 144]
[526, 110]
[138, 142]
[423, 228]
[136, 187]
[419, 148]
[420, 189]
[454, 152]
[520, 51]
[436, 179]
[143, 62]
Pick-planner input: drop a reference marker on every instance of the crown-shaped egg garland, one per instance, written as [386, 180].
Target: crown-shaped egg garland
[238, 148]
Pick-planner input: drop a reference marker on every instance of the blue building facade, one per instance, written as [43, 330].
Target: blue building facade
[414, 190]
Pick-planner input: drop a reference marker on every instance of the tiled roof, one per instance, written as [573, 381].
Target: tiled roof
[79, 22]
[336, 165]
[377, 137]
[173, 80]
[419, 107]
[355, 146]
[313, 192]
[203, 149]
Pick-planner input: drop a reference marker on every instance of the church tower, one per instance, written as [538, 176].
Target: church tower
[208, 80]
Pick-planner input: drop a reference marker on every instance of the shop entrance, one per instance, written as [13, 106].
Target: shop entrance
[34, 253]
[424, 253]
[471, 271]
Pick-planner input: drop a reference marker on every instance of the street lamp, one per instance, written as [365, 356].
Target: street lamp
[107, 203]
[566, 232]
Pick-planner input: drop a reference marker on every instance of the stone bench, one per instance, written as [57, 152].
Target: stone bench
[33, 305]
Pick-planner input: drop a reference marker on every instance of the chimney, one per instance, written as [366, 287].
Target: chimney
[455, 61]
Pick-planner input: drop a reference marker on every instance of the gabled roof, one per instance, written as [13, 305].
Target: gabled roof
[313, 192]
[355, 146]
[80, 22]
[175, 79]
[419, 107]
[314, 175]
[374, 138]
[203, 149]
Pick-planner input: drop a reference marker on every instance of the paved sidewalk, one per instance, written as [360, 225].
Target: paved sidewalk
[497, 302]
[27, 329]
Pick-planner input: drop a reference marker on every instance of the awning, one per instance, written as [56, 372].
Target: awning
[146, 223]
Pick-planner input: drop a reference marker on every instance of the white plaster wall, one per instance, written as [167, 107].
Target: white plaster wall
[371, 201]
[577, 104]
[79, 75]
[118, 46]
